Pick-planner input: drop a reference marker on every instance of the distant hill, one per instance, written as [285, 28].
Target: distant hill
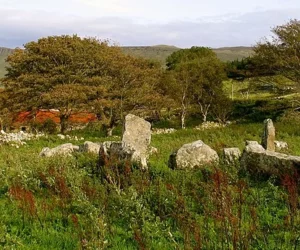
[4, 52]
[157, 52]
[161, 52]
[232, 53]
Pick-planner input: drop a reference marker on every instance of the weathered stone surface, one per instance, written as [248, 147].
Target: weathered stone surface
[193, 155]
[91, 147]
[268, 137]
[104, 149]
[115, 151]
[18, 138]
[253, 146]
[281, 145]
[231, 155]
[64, 149]
[136, 138]
[257, 160]
[122, 151]
[135, 144]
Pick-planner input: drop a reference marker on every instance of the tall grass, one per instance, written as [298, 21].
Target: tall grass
[74, 203]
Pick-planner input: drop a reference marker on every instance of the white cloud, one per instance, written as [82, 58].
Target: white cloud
[18, 27]
[116, 6]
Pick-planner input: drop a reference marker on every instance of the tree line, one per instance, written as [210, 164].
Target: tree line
[75, 74]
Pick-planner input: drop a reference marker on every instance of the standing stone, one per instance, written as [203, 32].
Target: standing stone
[268, 138]
[136, 138]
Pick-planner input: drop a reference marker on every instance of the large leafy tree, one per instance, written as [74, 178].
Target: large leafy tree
[280, 54]
[71, 74]
[195, 77]
[186, 55]
[133, 89]
[56, 72]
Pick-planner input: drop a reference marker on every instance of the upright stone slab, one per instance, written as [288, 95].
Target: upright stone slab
[137, 137]
[268, 138]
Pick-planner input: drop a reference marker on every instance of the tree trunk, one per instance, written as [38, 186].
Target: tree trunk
[204, 110]
[183, 111]
[183, 114]
[63, 124]
[111, 124]
[231, 90]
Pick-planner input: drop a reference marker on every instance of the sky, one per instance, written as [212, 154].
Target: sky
[211, 23]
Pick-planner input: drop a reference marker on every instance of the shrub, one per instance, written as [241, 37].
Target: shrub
[49, 127]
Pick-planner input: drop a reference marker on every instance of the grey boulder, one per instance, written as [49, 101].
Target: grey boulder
[257, 160]
[91, 147]
[193, 155]
[64, 149]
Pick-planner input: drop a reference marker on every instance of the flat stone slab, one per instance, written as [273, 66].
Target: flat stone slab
[258, 160]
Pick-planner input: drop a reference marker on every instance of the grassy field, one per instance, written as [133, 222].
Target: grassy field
[73, 203]
[69, 203]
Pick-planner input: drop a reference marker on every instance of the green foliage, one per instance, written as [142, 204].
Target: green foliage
[240, 69]
[77, 202]
[259, 110]
[281, 54]
[194, 77]
[48, 126]
[72, 74]
[161, 52]
[188, 55]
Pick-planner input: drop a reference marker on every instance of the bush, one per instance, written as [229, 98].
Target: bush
[49, 127]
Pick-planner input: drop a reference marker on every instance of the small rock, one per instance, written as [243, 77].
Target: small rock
[60, 136]
[281, 145]
[210, 125]
[153, 150]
